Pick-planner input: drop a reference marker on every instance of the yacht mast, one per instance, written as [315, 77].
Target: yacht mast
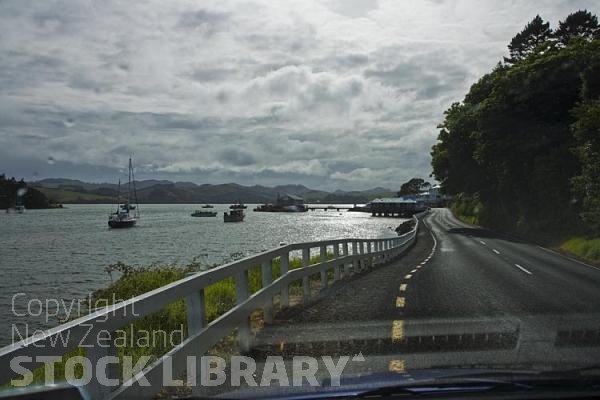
[129, 186]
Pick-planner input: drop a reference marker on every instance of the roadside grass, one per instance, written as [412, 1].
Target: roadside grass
[141, 338]
[467, 209]
[586, 249]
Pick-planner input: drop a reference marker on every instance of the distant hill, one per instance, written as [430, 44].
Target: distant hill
[167, 192]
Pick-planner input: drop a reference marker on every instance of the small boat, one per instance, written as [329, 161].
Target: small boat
[238, 206]
[208, 206]
[295, 208]
[127, 214]
[199, 213]
[19, 206]
[236, 215]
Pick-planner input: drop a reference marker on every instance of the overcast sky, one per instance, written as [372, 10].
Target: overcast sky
[331, 94]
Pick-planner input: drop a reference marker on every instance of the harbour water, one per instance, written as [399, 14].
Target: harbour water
[61, 254]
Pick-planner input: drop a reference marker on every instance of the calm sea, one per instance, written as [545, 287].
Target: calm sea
[61, 254]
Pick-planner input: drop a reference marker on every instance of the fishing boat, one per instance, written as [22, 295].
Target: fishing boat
[235, 215]
[208, 206]
[238, 206]
[127, 214]
[199, 213]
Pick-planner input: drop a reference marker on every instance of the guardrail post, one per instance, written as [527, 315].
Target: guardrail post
[284, 267]
[267, 278]
[361, 251]
[337, 267]
[306, 279]
[356, 261]
[241, 294]
[196, 313]
[94, 354]
[323, 253]
[347, 266]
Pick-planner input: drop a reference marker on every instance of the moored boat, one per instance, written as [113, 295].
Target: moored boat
[199, 213]
[235, 215]
[127, 214]
[238, 206]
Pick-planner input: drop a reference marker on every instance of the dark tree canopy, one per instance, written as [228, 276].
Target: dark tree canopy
[535, 33]
[579, 24]
[523, 148]
[413, 186]
[8, 194]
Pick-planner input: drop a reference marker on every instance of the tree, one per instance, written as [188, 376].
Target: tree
[587, 132]
[587, 184]
[535, 33]
[578, 24]
[413, 186]
[507, 149]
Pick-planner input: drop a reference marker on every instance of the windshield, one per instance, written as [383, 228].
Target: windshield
[334, 197]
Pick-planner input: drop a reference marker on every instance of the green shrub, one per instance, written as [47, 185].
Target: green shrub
[587, 249]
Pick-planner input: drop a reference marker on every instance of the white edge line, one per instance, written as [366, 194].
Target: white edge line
[482, 242]
[567, 257]
[523, 269]
[495, 251]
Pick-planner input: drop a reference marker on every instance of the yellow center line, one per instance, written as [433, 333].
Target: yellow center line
[403, 287]
[400, 301]
[396, 366]
[397, 331]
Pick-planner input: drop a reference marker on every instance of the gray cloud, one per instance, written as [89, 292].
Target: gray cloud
[237, 157]
[205, 22]
[328, 93]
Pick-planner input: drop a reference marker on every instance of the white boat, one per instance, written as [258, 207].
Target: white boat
[127, 214]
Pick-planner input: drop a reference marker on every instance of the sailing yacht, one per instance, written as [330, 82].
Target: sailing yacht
[127, 214]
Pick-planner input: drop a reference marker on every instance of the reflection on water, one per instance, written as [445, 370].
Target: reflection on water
[61, 254]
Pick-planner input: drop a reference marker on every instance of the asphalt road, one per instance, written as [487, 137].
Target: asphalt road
[461, 297]
[475, 272]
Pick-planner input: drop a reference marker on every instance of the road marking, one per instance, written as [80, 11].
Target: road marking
[413, 271]
[523, 269]
[397, 331]
[396, 366]
[403, 287]
[482, 242]
[495, 251]
[400, 302]
[568, 258]
[408, 276]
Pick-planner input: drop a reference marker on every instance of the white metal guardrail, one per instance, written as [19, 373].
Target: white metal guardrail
[343, 256]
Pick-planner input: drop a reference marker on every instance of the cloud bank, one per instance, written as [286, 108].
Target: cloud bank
[331, 94]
